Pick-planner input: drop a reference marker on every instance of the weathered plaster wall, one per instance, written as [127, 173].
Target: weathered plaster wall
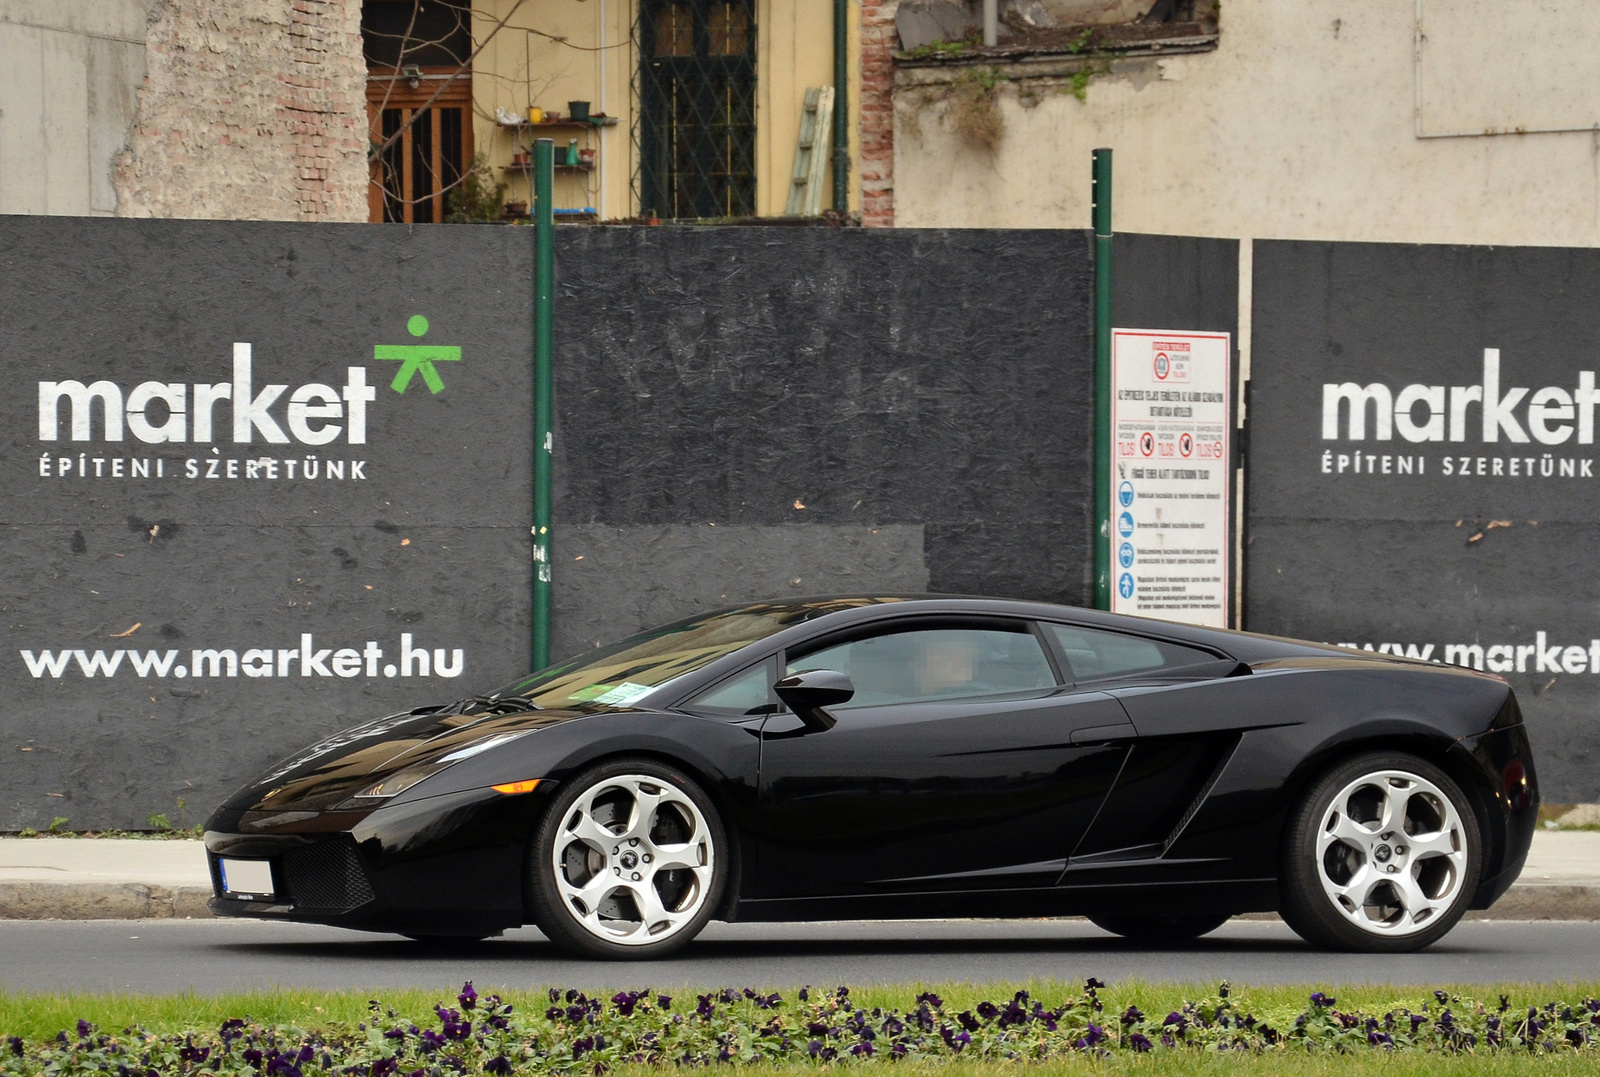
[252, 109]
[1302, 124]
[69, 73]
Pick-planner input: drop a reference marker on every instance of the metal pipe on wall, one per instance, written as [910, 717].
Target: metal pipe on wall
[841, 106]
[544, 224]
[600, 132]
[1101, 198]
[991, 23]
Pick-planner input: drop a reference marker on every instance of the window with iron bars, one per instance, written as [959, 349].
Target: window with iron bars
[696, 116]
[411, 48]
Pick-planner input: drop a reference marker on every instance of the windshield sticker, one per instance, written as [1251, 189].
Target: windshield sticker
[584, 695]
[623, 694]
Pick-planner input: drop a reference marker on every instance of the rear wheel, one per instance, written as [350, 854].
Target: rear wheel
[629, 862]
[1160, 930]
[1382, 855]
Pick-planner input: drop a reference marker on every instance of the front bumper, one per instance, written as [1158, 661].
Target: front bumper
[323, 879]
[446, 865]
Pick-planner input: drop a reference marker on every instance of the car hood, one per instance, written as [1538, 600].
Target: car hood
[332, 770]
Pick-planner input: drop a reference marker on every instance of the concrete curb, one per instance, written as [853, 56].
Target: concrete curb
[1536, 901]
[1542, 901]
[137, 901]
[101, 901]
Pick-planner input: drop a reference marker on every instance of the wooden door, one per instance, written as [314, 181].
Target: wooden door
[412, 177]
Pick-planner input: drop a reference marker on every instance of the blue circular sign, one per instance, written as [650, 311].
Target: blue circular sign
[1125, 585]
[1125, 554]
[1125, 494]
[1125, 524]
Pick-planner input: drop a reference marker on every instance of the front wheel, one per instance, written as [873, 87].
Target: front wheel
[629, 862]
[1382, 855]
[1160, 930]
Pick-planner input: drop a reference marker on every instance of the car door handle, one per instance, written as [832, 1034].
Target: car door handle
[1098, 734]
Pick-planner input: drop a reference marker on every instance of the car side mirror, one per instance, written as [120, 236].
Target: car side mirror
[809, 691]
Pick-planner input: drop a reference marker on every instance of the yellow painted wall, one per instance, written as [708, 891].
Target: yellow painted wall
[523, 63]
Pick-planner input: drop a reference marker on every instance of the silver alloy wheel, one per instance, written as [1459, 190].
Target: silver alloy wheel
[1391, 853]
[633, 859]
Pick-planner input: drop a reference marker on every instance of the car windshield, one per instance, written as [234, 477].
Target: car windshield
[623, 672]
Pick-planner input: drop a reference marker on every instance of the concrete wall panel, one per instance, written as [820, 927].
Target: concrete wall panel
[69, 75]
[23, 180]
[64, 163]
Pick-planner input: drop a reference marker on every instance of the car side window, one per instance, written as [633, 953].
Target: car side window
[935, 664]
[1093, 654]
[745, 693]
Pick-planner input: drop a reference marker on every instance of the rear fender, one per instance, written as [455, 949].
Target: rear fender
[1244, 817]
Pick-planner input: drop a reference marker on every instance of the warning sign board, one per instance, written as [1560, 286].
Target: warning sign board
[1171, 428]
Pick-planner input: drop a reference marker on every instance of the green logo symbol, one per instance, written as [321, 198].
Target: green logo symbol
[415, 358]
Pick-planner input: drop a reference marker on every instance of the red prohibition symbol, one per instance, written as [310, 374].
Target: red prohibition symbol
[1163, 366]
[1185, 444]
[1147, 443]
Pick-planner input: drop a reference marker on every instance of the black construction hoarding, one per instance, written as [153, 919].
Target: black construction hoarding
[1423, 476]
[259, 481]
[263, 480]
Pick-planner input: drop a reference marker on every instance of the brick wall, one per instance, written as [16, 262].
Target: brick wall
[878, 43]
[252, 109]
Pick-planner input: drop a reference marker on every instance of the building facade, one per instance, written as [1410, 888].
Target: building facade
[1403, 120]
[182, 108]
[1438, 121]
[343, 110]
[702, 100]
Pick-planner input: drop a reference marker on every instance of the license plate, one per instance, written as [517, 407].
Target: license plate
[247, 878]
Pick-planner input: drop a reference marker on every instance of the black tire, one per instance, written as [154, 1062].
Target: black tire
[1161, 930]
[681, 852]
[1442, 885]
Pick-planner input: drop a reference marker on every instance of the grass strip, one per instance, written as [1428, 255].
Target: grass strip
[956, 1028]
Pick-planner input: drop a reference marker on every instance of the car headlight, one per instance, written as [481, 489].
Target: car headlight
[400, 781]
[404, 779]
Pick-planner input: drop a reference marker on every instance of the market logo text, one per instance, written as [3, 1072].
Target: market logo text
[306, 660]
[1540, 656]
[1424, 413]
[1437, 413]
[310, 416]
[164, 413]
[159, 413]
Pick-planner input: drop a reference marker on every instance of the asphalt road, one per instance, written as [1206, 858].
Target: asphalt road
[211, 956]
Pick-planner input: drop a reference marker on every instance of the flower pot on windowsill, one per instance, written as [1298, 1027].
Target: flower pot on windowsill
[516, 209]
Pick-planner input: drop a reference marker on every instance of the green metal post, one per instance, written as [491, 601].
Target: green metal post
[841, 106]
[544, 223]
[1101, 197]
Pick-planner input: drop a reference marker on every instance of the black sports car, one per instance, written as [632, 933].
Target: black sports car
[906, 757]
